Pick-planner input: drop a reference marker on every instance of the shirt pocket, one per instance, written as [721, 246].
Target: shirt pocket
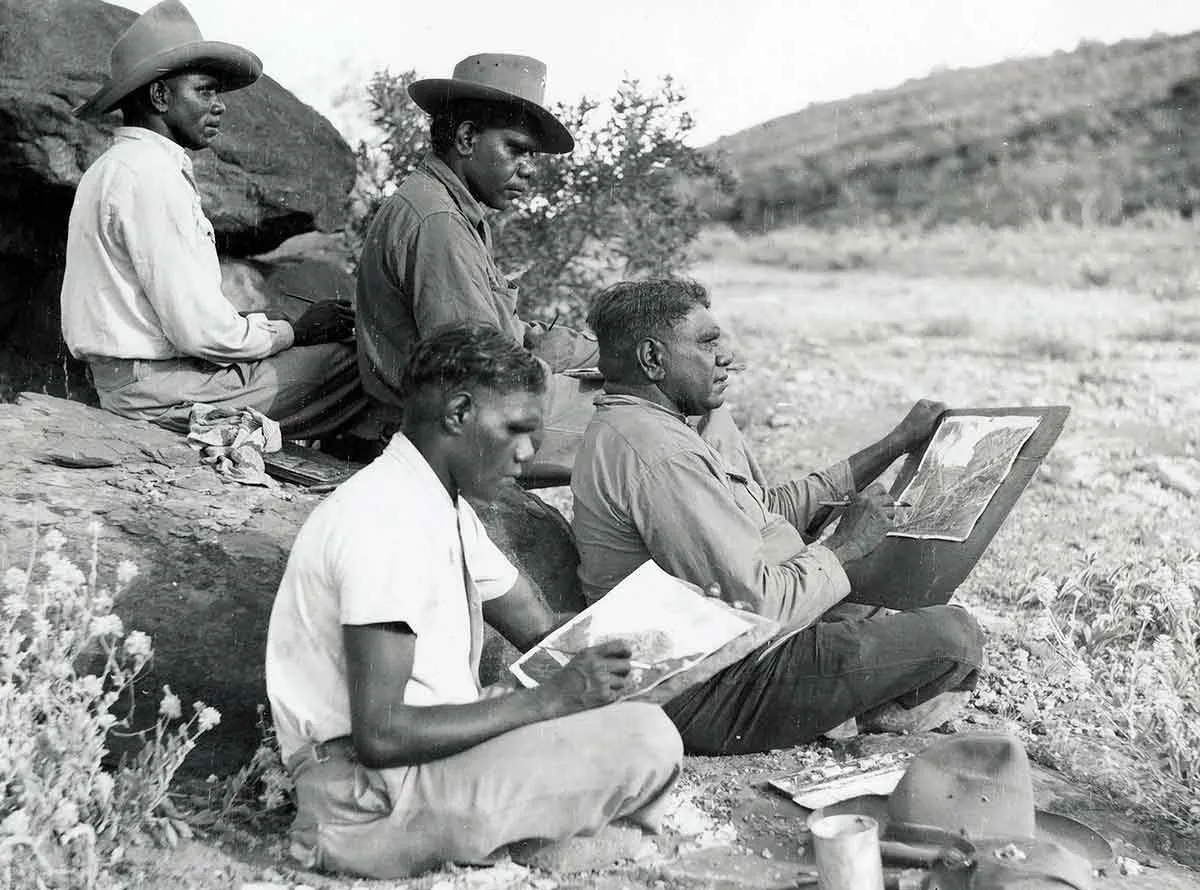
[505, 296]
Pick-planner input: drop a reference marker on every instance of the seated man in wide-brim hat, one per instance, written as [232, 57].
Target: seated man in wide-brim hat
[427, 258]
[141, 296]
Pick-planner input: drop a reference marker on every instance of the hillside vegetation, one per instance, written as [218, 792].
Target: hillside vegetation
[1095, 135]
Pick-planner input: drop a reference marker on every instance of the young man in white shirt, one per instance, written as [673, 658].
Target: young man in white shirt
[141, 296]
[401, 762]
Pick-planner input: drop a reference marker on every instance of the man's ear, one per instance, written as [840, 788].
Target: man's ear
[457, 412]
[160, 96]
[465, 137]
[649, 355]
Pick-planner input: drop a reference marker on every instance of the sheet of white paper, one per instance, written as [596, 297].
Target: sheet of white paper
[669, 624]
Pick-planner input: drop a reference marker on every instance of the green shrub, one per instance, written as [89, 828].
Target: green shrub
[625, 203]
[64, 818]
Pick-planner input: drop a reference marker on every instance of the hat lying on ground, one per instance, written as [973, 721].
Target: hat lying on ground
[979, 787]
[502, 78]
[162, 41]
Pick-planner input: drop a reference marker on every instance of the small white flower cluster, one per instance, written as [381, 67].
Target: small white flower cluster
[65, 659]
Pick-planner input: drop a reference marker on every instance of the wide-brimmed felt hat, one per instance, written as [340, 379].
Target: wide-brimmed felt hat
[977, 786]
[502, 78]
[163, 40]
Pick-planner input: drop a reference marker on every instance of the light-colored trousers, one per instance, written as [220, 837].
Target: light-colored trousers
[547, 781]
[311, 391]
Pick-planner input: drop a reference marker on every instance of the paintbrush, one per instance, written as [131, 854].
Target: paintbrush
[845, 502]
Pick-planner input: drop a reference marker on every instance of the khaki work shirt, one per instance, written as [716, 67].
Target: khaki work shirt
[646, 486]
[426, 261]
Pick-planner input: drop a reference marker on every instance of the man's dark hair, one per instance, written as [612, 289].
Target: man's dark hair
[628, 312]
[485, 115]
[466, 356]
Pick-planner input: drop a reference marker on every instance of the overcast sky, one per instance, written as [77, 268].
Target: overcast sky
[740, 62]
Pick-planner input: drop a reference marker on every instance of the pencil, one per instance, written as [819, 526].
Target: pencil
[288, 293]
[845, 502]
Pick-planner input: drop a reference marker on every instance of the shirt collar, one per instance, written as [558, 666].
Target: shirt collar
[461, 195]
[168, 147]
[402, 449]
[610, 400]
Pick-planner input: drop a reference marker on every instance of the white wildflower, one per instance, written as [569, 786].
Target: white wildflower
[209, 717]
[102, 784]
[127, 570]
[107, 625]
[63, 577]
[91, 686]
[65, 817]
[102, 603]
[15, 824]
[138, 645]
[53, 540]
[15, 580]
[170, 707]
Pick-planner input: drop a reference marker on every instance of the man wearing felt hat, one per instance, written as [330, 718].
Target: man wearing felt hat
[427, 258]
[141, 297]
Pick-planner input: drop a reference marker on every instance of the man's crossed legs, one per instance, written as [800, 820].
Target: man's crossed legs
[790, 693]
[546, 781]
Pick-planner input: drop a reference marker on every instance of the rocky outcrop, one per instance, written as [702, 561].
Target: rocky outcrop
[278, 168]
[210, 553]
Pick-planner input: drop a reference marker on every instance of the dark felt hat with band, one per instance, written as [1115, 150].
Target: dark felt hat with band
[501, 78]
[162, 41]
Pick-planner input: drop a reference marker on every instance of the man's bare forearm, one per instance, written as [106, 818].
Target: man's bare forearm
[867, 465]
[414, 735]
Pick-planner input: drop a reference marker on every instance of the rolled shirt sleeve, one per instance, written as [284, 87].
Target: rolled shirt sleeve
[694, 528]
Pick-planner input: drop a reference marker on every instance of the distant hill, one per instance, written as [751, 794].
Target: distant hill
[1098, 134]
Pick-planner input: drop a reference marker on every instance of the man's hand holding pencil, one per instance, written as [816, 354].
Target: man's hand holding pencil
[866, 520]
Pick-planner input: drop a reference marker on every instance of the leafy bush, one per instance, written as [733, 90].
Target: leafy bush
[625, 203]
[65, 818]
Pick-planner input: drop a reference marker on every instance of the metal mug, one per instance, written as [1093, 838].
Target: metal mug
[847, 853]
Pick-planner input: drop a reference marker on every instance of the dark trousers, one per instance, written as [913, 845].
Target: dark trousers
[824, 675]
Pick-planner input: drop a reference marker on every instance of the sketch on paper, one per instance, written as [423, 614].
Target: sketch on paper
[967, 459]
[668, 623]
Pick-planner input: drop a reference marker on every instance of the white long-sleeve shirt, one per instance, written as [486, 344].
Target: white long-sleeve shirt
[143, 280]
